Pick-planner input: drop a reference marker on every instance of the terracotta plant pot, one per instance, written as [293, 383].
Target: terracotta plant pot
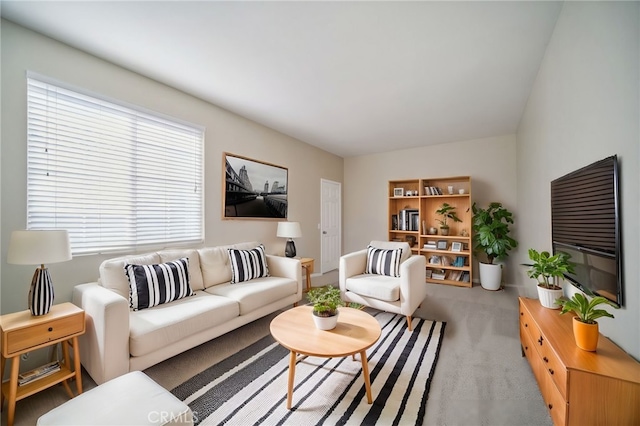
[586, 335]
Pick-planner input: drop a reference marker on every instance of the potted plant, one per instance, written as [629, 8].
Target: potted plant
[585, 327]
[326, 301]
[447, 211]
[545, 268]
[491, 236]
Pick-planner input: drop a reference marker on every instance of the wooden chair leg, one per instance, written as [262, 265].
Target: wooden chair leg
[409, 322]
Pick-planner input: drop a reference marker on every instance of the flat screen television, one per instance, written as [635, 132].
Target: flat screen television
[585, 224]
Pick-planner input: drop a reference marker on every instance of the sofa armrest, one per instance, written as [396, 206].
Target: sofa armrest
[351, 264]
[286, 267]
[413, 286]
[104, 348]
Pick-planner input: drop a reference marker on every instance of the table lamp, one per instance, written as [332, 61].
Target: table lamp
[289, 230]
[39, 247]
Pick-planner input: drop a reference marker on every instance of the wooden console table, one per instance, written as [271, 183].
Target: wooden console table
[22, 332]
[578, 387]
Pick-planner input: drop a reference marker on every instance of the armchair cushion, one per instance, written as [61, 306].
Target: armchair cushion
[383, 262]
[375, 286]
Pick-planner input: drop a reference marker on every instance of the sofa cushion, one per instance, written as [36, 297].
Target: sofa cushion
[376, 286]
[113, 276]
[383, 262]
[152, 285]
[257, 293]
[248, 264]
[154, 328]
[214, 262]
[195, 274]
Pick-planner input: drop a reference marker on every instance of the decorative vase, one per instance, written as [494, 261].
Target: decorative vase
[444, 231]
[325, 323]
[40, 292]
[548, 296]
[586, 335]
[490, 276]
[433, 231]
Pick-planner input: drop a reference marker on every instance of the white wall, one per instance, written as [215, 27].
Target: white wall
[24, 50]
[490, 162]
[584, 107]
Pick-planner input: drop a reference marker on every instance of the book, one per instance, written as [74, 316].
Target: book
[38, 373]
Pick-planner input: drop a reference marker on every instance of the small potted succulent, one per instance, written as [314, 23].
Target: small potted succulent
[545, 268]
[325, 301]
[585, 327]
[447, 211]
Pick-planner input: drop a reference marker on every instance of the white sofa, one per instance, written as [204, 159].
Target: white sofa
[401, 295]
[119, 340]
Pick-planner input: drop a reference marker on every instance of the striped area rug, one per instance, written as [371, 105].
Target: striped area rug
[250, 387]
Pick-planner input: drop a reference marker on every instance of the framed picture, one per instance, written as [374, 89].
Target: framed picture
[456, 246]
[253, 189]
[442, 245]
[398, 192]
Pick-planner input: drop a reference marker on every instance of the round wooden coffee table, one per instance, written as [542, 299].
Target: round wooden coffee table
[355, 333]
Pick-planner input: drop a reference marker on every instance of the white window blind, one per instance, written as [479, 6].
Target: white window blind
[116, 178]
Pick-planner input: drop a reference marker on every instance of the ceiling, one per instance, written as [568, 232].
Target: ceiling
[352, 78]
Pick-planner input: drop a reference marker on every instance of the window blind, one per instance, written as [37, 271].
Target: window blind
[115, 177]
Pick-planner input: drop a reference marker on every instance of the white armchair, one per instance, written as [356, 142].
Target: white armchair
[401, 295]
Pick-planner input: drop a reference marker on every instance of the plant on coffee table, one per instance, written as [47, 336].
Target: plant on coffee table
[326, 301]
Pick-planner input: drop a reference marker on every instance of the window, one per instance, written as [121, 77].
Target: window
[117, 178]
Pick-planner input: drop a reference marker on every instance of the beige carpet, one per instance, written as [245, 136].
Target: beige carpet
[481, 378]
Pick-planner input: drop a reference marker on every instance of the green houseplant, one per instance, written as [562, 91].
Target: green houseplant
[447, 211]
[544, 269]
[585, 326]
[325, 301]
[491, 237]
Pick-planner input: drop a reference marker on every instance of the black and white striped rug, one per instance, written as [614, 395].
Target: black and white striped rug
[250, 387]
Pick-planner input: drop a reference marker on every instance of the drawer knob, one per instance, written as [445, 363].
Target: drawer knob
[551, 371]
[50, 329]
[550, 406]
[521, 314]
[545, 359]
[526, 325]
[540, 340]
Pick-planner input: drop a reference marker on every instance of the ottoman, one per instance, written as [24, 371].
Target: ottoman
[132, 399]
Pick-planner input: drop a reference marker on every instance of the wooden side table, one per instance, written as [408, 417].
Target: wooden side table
[307, 265]
[22, 332]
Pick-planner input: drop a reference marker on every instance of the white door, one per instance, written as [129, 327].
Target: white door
[330, 225]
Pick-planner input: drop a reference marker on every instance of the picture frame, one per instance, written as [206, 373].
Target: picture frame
[398, 192]
[442, 245]
[456, 246]
[253, 189]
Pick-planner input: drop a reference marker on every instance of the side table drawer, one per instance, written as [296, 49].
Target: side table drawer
[22, 339]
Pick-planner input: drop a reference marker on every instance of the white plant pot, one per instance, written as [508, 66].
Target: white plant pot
[490, 276]
[548, 297]
[326, 323]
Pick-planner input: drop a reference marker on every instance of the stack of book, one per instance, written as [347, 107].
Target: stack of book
[409, 220]
[430, 245]
[432, 190]
[38, 373]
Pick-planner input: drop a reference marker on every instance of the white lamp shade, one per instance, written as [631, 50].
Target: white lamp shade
[38, 247]
[289, 230]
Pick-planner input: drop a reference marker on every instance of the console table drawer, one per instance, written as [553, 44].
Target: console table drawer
[555, 402]
[23, 339]
[554, 368]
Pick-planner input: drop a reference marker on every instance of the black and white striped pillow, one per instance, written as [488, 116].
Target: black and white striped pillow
[152, 285]
[383, 262]
[248, 264]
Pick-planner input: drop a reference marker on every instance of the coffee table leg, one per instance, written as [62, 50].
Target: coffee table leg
[365, 374]
[292, 375]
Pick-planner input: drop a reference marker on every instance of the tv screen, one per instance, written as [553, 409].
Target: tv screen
[585, 224]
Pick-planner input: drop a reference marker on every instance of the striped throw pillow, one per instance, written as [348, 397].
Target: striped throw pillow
[248, 264]
[383, 262]
[152, 285]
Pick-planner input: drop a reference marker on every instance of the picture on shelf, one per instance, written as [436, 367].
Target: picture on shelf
[435, 260]
[456, 246]
[442, 245]
[398, 192]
